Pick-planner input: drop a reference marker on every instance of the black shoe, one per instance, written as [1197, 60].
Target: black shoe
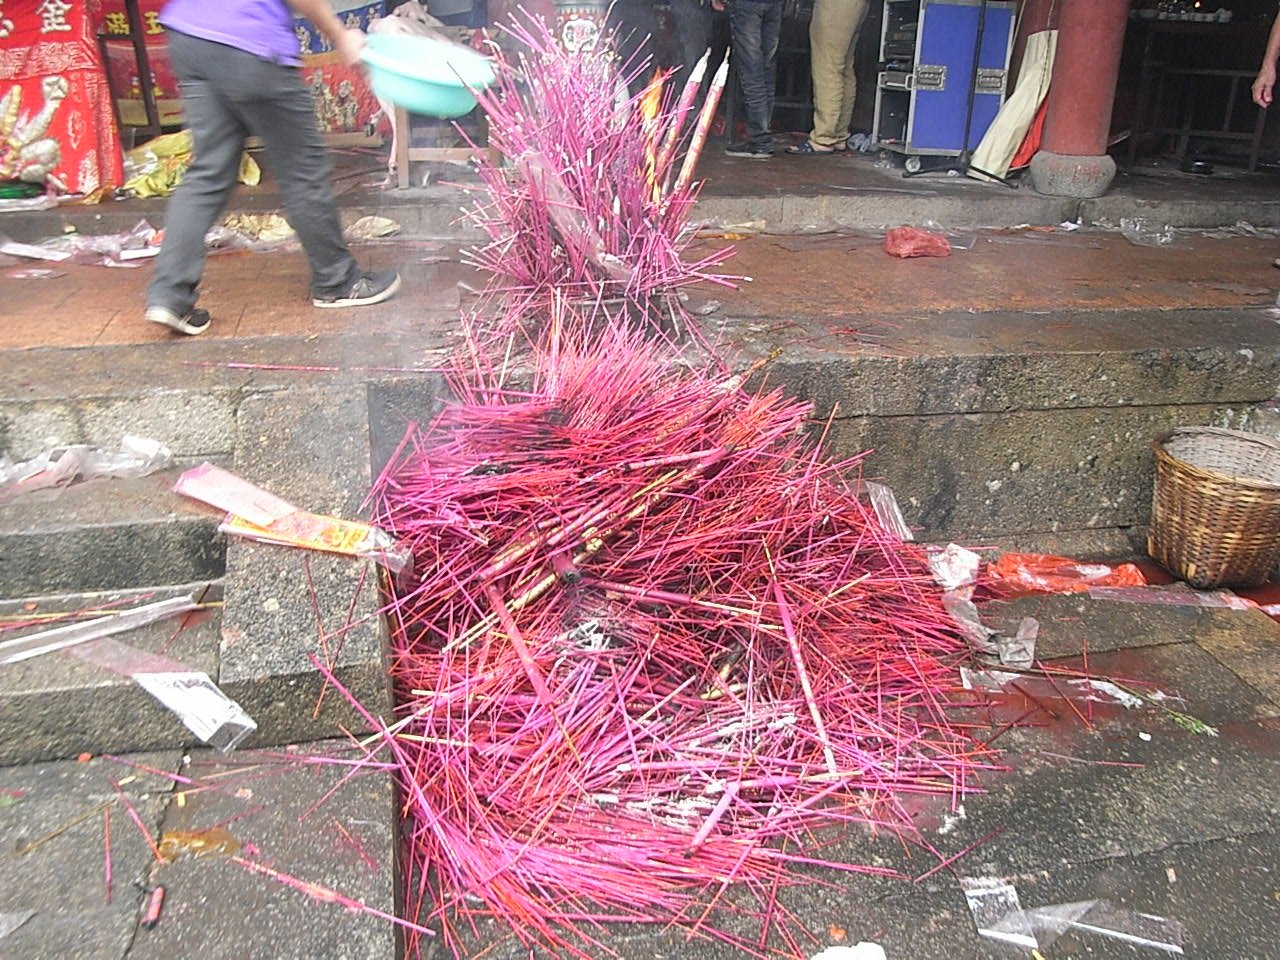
[368, 288]
[747, 151]
[192, 324]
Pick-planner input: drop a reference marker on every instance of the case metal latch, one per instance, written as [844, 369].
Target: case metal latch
[990, 80]
[931, 77]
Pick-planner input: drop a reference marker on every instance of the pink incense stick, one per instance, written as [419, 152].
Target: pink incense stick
[703, 128]
[687, 96]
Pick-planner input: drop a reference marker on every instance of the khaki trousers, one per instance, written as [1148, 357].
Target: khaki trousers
[833, 32]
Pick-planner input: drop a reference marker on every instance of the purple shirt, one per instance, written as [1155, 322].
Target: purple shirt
[261, 27]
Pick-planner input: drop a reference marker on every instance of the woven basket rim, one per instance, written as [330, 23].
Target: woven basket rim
[1243, 435]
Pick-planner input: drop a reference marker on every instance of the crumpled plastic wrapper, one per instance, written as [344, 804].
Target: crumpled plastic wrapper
[60, 466]
[157, 167]
[251, 231]
[372, 228]
[907, 242]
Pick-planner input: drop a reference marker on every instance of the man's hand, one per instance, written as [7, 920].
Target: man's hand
[1264, 85]
[349, 44]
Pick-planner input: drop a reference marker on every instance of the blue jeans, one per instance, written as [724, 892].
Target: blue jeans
[755, 25]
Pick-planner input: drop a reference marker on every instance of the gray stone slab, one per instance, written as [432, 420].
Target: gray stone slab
[1115, 543]
[1067, 799]
[983, 476]
[280, 810]
[736, 210]
[1222, 211]
[190, 422]
[62, 704]
[395, 405]
[1221, 892]
[1248, 645]
[284, 606]
[998, 362]
[53, 818]
[878, 209]
[107, 534]
[1071, 624]
[35, 382]
[1072, 831]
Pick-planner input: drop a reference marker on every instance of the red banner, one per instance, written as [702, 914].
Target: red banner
[56, 124]
[122, 64]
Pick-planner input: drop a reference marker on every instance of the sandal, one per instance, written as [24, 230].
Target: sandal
[808, 149]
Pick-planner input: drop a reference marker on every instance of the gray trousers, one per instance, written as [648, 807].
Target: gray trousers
[228, 94]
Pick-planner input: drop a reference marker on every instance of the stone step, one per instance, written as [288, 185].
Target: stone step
[984, 440]
[60, 705]
[423, 212]
[998, 427]
[106, 534]
[852, 197]
[286, 608]
[63, 820]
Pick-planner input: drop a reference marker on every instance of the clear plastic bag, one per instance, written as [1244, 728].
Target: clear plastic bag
[108, 249]
[190, 695]
[1173, 597]
[1105, 919]
[981, 639]
[1146, 233]
[201, 706]
[998, 915]
[885, 505]
[1018, 650]
[959, 240]
[569, 219]
[60, 638]
[996, 911]
[59, 466]
[954, 566]
[14, 204]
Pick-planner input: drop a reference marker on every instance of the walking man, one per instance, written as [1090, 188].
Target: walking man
[754, 26]
[833, 34]
[237, 62]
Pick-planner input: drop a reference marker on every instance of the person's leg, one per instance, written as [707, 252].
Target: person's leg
[692, 22]
[832, 34]
[770, 31]
[849, 91]
[218, 140]
[276, 106]
[746, 21]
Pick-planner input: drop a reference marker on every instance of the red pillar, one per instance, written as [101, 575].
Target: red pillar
[1034, 16]
[1073, 160]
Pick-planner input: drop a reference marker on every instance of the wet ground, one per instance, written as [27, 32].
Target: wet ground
[842, 278]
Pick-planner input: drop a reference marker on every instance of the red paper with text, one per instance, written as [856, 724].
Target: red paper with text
[56, 124]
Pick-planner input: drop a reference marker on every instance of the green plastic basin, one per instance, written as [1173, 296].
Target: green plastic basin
[424, 75]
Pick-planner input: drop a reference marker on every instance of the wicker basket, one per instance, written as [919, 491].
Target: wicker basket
[1215, 514]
